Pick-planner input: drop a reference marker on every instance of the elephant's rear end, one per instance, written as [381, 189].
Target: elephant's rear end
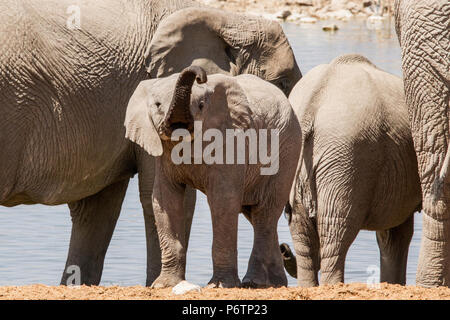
[358, 169]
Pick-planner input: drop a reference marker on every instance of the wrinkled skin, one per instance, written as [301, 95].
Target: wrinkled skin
[357, 170]
[423, 28]
[224, 102]
[63, 98]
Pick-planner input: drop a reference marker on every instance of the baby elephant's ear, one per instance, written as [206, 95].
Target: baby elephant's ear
[139, 125]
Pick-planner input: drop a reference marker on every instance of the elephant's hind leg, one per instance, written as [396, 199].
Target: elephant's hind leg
[394, 245]
[93, 223]
[307, 246]
[336, 234]
[265, 268]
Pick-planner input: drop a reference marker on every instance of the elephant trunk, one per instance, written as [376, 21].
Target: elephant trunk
[290, 263]
[179, 115]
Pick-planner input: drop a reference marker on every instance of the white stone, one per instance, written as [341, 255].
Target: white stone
[295, 17]
[184, 287]
[375, 22]
[343, 14]
[338, 4]
[308, 20]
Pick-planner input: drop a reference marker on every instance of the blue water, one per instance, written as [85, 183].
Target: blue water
[34, 239]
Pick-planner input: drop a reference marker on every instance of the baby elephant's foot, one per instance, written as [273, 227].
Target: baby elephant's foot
[224, 282]
[166, 281]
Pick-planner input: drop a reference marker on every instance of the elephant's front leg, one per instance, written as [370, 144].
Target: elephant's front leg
[168, 206]
[225, 207]
[146, 170]
[93, 223]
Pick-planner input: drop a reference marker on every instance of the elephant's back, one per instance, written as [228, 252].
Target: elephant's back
[356, 117]
[267, 102]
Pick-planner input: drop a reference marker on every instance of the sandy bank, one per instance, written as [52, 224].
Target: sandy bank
[307, 11]
[336, 292]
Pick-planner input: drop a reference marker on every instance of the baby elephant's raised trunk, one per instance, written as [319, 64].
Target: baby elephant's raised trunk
[179, 114]
[290, 264]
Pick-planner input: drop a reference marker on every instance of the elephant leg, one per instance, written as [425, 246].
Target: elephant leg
[265, 268]
[93, 222]
[168, 206]
[336, 235]
[307, 246]
[225, 210]
[146, 181]
[394, 245]
[190, 198]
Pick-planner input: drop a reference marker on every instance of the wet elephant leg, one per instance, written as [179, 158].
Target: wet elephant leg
[146, 181]
[394, 244]
[93, 223]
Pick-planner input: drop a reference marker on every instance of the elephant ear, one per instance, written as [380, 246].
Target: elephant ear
[138, 123]
[230, 101]
[205, 37]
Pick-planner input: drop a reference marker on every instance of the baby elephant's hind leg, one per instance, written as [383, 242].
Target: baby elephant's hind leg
[265, 268]
[394, 244]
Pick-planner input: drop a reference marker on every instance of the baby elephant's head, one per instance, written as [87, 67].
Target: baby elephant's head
[158, 107]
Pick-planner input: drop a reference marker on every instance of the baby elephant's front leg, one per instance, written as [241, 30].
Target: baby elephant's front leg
[224, 214]
[168, 199]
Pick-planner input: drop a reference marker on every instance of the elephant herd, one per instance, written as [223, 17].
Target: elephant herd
[85, 108]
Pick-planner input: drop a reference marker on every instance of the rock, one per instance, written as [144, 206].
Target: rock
[353, 7]
[369, 11]
[343, 14]
[367, 4]
[308, 20]
[338, 5]
[283, 14]
[330, 27]
[306, 3]
[375, 22]
[184, 287]
[295, 17]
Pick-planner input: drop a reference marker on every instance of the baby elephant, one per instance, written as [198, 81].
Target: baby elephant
[237, 148]
[357, 170]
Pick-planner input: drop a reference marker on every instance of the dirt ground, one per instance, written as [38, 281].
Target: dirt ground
[352, 291]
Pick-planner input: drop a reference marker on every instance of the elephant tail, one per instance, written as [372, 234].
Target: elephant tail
[290, 263]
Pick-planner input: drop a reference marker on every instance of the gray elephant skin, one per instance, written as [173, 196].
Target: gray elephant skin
[64, 89]
[245, 102]
[357, 170]
[423, 29]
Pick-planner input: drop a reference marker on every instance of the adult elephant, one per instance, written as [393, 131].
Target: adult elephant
[67, 73]
[423, 28]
